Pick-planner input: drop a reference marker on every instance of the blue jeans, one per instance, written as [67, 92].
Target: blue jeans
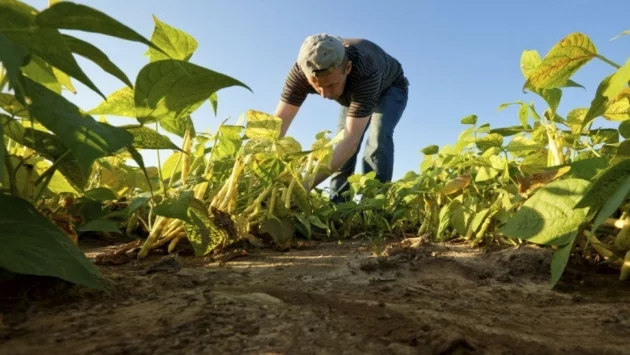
[379, 149]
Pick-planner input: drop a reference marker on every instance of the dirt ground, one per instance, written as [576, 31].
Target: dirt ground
[328, 298]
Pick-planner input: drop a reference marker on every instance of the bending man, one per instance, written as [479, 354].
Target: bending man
[372, 90]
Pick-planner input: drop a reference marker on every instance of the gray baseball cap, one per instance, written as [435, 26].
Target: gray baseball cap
[320, 54]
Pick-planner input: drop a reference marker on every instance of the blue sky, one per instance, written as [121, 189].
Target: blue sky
[461, 57]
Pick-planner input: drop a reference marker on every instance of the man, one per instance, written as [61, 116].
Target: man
[372, 90]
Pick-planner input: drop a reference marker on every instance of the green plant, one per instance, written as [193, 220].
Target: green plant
[549, 180]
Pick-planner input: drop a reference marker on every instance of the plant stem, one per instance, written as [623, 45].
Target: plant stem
[608, 61]
[159, 165]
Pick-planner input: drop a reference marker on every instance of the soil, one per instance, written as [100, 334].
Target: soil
[325, 298]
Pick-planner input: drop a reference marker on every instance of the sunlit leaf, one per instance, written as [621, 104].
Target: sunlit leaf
[549, 216]
[175, 43]
[174, 89]
[563, 60]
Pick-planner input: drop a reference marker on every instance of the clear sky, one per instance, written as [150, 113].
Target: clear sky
[461, 57]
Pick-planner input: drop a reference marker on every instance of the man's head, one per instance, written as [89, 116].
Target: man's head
[323, 60]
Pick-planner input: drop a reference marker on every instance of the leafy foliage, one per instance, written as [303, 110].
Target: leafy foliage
[548, 179]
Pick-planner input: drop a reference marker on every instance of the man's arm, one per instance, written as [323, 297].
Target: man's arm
[287, 113]
[346, 147]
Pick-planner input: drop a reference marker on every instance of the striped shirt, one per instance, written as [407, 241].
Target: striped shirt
[373, 71]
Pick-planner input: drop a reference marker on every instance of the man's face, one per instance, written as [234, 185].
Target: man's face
[331, 86]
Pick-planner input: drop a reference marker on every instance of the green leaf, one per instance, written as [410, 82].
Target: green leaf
[137, 157]
[281, 230]
[101, 194]
[178, 127]
[100, 225]
[549, 216]
[267, 167]
[612, 203]
[40, 71]
[48, 146]
[560, 260]
[214, 101]
[622, 153]
[173, 89]
[176, 207]
[262, 125]
[618, 110]
[563, 60]
[12, 56]
[228, 142]
[12, 106]
[430, 150]
[119, 103]
[18, 21]
[492, 140]
[470, 119]
[604, 185]
[33, 245]
[85, 137]
[203, 233]
[91, 52]
[147, 138]
[607, 92]
[484, 128]
[70, 16]
[587, 168]
[521, 145]
[509, 131]
[530, 61]
[136, 203]
[65, 80]
[624, 129]
[604, 135]
[175, 43]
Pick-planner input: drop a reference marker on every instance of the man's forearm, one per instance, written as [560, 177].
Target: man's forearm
[341, 153]
[286, 112]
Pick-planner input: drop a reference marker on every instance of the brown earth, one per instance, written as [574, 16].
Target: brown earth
[328, 298]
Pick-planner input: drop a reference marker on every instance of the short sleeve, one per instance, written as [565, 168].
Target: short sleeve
[296, 87]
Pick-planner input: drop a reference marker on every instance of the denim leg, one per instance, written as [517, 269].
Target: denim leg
[339, 179]
[379, 148]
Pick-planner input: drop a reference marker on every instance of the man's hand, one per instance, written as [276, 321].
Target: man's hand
[345, 148]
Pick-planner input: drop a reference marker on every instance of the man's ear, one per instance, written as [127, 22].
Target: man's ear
[348, 68]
